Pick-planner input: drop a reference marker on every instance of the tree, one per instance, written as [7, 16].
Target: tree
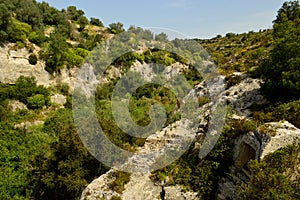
[29, 12]
[55, 54]
[49, 13]
[68, 167]
[18, 31]
[83, 21]
[289, 10]
[36, 37]
[281, 72]
[32, 59]
[272, 178]
[116, 28]
[162, 37]
[4, 20]
[96, 22]
[35, 102]
[73, 13]
[24, 88]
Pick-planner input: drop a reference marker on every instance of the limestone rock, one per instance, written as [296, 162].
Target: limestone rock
[14, 63]
[67, 76]
[15, 106]
[243, 95]
[85, 80]
[255, 146]
[285, 134]
[175, 193]
[27, 125]
[99, 188]
[58, 99]
[141, 187]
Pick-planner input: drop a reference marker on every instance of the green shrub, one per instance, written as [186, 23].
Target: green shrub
[67, 167]
[273, 177]
[19, 45]
[36, 37]
[33, 59]
[36, 101]
[18, 31]
[279, 111]
[25, 87]
[96, 22]
[281, 71]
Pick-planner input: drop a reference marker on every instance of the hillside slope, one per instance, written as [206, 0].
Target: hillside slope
[43, 155]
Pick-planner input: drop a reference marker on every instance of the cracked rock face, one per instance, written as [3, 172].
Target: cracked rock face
[256, 145]
[268, 138]
[243, 95]
[283, 134]
[14, 63]
[99, 188]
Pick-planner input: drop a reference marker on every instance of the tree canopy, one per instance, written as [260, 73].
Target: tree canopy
[281, 71]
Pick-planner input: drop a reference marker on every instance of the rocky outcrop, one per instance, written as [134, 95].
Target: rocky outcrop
[99, 188]
[58, 99]
[15, 106]
[14, 63]
[67, 76]
[243, 95]
[268, 138]
[277, 135]
[140, 187]
[255, 146]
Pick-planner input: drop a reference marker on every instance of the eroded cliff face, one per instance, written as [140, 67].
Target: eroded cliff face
[14, 63]
[253, 145]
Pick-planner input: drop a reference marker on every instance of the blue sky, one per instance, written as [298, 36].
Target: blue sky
[193, 18]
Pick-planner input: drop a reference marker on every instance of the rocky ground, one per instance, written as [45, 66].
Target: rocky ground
[253, 145]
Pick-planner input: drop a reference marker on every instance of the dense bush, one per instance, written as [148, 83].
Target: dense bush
[26, 87]
[274, 177]
[67, 167]
[33, 59]
[4, 21]
[18, 31]
[55, 54]
[73, 13]
[35, 102]
[279, 111]
[96, 22]
[281, 71]
[36, 37]
[116, 28]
